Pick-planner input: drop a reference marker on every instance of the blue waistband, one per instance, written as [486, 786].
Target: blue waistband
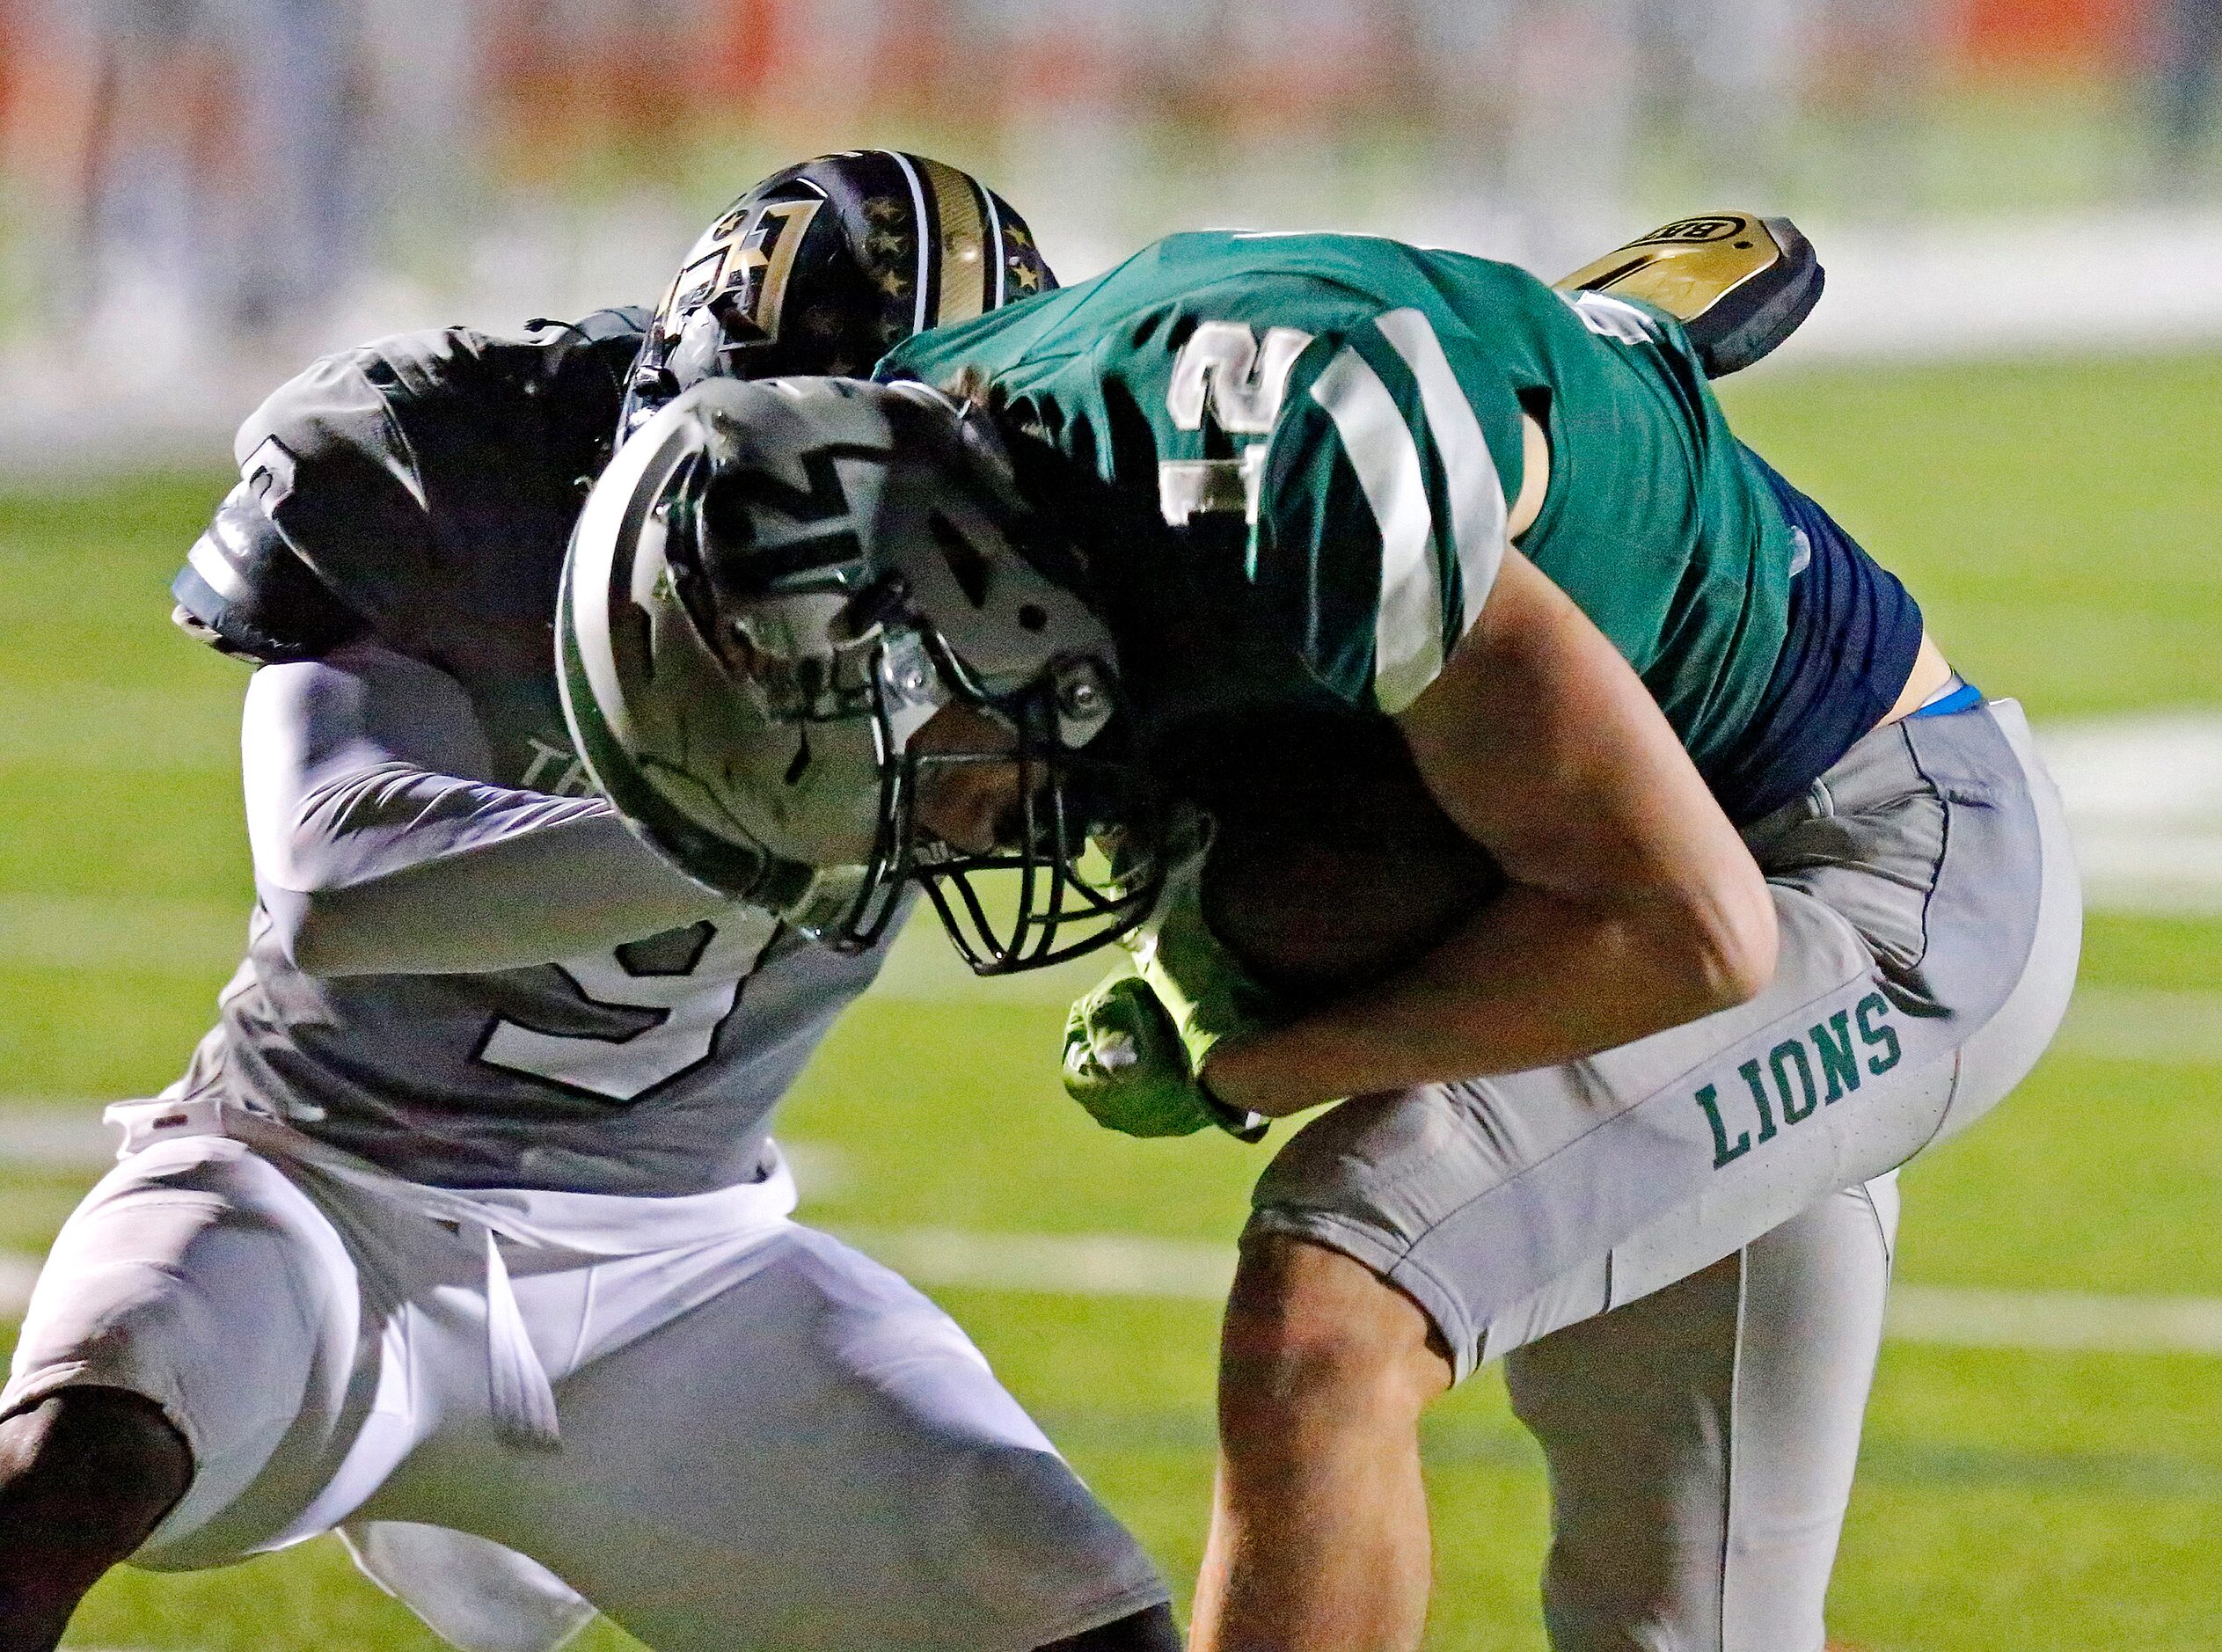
[1965, 697]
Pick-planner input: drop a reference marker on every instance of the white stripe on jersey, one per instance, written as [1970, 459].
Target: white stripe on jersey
[1407, 624]
[1477, 493]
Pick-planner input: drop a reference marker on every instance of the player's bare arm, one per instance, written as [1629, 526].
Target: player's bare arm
[1631, 903]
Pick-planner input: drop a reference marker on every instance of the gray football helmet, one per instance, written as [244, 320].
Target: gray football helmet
[775, 585]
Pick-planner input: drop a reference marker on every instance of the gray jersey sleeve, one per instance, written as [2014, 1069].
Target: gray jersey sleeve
[380, 848]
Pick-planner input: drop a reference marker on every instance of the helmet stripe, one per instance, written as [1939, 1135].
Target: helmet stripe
[1000, 275]
[963, 285]
[925, 236]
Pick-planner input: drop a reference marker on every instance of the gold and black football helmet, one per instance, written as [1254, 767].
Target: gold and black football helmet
[824, 267]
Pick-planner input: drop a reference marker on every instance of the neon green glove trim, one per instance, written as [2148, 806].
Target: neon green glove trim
[1203, 987]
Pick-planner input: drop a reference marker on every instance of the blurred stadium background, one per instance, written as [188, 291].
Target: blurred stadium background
[2011, 393]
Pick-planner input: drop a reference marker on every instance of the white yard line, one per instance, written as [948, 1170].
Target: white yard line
[2151, 877]
[1937, 289]
[1053, 1264]
[2066, 1321]
[2160, 768]
[69, 1136]
[1113, 1265]
[2144, 795]
[1124, 1266]
[55, 1136]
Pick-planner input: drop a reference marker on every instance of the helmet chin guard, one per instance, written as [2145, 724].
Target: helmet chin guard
[1078, 854]
[773, 589]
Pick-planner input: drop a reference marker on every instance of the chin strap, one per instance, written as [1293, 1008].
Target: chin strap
[1738, 283]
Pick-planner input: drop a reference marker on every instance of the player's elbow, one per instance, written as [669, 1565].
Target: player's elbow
[297, 930]
[315, 932]
[1731, 941]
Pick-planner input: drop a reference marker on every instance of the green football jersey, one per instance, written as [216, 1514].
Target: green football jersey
[1341, 414]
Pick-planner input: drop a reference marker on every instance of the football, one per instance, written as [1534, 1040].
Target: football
[1330, 863]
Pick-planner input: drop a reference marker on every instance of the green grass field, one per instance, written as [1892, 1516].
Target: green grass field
[2055, 518]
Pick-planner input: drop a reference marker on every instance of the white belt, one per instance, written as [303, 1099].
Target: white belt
[583, 1223]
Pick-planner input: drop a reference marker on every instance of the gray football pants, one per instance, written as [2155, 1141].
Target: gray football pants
[1682, 1246]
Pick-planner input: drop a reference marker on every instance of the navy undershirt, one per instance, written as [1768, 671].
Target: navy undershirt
[1854, 632]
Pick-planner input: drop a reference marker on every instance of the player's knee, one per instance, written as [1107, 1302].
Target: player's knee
[1152, 1630]
[1310, 1330]
[84, 1476]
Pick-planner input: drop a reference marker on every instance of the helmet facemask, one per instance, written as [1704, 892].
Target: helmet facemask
[1074, 847]
[1079, 836]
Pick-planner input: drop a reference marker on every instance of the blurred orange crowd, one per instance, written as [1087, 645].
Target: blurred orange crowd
[549, 75]
[239, 162]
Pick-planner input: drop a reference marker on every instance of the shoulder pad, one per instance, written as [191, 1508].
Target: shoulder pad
[430, 480]
[584, 366]
[328, 464]
[1738, 283]
[244, 592]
